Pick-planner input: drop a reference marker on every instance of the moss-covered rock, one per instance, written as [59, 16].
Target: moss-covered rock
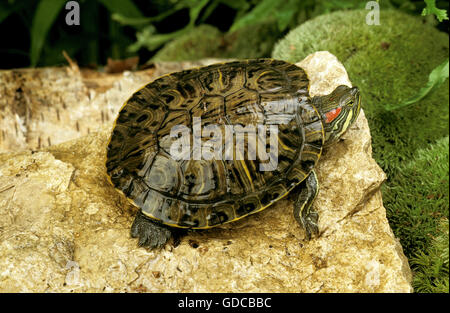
[389, 63]
[206, 41]
[201, 42]
[253, 41]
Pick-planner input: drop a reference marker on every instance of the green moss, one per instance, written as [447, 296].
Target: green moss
[431, 269]
[253, 41]
[206, 41]
[201, 42]
[389, 63]
[417, 197]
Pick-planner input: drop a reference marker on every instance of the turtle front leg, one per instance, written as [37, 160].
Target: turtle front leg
[303, 212]
[150, 234]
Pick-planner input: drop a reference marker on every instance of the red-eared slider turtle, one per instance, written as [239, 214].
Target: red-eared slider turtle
[203, 147]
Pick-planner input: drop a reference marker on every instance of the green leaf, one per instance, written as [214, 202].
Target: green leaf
[432, 9]
[139, 21]
[209, 10]
[286, 13]
[436, 77]
[195, 11]
[46, 14]
[194, 6]
[123, 7]
[264, 9]
[148, 38]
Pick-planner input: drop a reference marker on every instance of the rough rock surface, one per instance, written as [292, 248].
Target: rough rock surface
[64, 228]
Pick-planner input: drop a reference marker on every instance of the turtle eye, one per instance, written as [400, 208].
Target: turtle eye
[350, 103]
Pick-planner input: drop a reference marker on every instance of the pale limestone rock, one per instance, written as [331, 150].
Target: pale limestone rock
[325, 70]
[64, 228]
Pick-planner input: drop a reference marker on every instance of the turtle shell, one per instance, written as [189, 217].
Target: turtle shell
[209, 191]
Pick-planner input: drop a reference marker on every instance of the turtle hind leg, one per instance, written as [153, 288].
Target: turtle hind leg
[150, 233]
[303, 211]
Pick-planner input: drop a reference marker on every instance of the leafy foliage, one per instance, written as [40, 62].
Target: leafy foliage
[291, 12]
[261, 11]
[126, 7]
[249, 13]
[206, 41]
[44, 14]
[151, 40]
[130, 29]
[44, 17]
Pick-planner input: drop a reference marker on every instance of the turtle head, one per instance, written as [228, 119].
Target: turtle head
[339, 110]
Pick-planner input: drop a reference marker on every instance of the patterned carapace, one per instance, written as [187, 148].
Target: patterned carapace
[206, 193]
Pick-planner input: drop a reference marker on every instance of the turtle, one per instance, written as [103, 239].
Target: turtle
[174, 153]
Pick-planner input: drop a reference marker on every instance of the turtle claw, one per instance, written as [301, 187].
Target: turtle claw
[150, 234]
[303, 207]
[309, 223]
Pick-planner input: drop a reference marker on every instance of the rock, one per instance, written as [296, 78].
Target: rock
[64, 228]
[200, 42]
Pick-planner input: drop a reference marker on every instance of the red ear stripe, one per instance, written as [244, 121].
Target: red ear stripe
[332, 114]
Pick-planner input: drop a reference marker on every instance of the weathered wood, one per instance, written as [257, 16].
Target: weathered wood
[46, 106]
